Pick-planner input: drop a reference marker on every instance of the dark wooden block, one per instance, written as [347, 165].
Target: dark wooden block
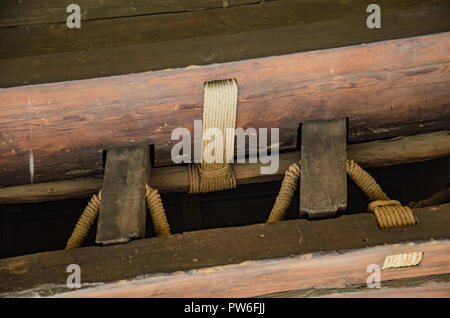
[323, 178]
[123, 211]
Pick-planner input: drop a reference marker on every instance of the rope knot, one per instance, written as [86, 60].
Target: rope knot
[391, 213]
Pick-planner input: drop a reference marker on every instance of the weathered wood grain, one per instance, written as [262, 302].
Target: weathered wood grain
[51, 11]
[104, 48]
[250, 279]
[323, 177]
[51, 38]
[379, 153]
[216, 247]
[437, 285]
[123, 208]
[385, 89]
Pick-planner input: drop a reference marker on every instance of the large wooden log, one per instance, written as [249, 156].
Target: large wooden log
[233, 245]
[400, 150]
[58, 131]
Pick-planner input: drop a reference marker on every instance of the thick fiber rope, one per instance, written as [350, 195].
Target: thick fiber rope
[85, 222]
[389, 213]
[157, 212]
[90, 214]
[288, 187]
[437, 198]
[219, 112]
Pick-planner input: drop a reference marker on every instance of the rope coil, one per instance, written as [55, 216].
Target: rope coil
[284, 198]
[85, 222]
[157, 213]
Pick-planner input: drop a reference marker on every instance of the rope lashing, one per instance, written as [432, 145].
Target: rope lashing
[85, 222]
[284, 198]
[157, 213]
[219, 113]
[389, 213]
[90, 214]
[440, 197]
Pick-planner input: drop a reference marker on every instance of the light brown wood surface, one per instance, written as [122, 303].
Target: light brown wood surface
[385, 89]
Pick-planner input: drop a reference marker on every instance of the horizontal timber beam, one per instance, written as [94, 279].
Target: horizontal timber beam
[323, 270]
[379, 153]
[54, 11]
[50, 52]
[213, 247]
[385, 89]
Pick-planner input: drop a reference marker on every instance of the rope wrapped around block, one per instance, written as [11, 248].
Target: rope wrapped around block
[90, 214]
[219, 115]
[388, 213]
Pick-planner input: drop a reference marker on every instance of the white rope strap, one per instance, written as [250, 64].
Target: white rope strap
[219, 117]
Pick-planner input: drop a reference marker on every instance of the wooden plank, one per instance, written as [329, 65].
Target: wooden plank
[323, 176]
[105, 48]
[413, 287]
[403, 93]
[216, 247]
[254, 278]
[50, 38]
[430, 291]
[379, 153]
[35, 11]
[123, 208]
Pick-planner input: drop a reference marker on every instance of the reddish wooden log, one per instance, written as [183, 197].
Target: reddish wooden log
[56, 131]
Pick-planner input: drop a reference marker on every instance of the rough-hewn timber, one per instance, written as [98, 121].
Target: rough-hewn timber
[214, 247]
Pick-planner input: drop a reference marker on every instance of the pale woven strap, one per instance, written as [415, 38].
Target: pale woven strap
[219, 112]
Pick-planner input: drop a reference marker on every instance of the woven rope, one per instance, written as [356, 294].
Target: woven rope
[388, 213]
[365, 181]
[157, 212]
[219, 112]
[85, 222]
[284, 198]
[402, 260]
[437, 198]
[90, 214]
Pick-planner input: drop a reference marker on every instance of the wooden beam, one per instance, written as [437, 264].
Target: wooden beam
[54, 11]
[257, 278]
[379, 153]
[323, 177]
[131, 30]
[64, 127]
[217, 247]
[413, 287]
[40, 53]
[123, 207]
